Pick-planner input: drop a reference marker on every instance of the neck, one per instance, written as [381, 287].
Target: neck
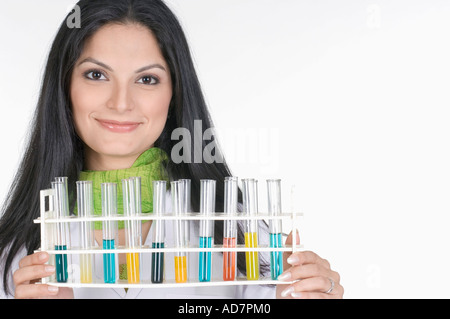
[101, 162]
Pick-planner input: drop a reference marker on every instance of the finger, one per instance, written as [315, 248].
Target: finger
[289, 238]
[317, 284]
[26, 274]
[34, 259]
[314, 284]
[35, 291]
[337, 292]
[311, 295]
[306, 257]
[308, 271]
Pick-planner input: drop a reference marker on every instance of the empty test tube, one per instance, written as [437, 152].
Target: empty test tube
[85, 206]
[133, 233]
[110, 231]
[207, 208]
[61, 235]
[159, 208]
[179, 207]
[250, 201]
[229, 228]
[275, 231]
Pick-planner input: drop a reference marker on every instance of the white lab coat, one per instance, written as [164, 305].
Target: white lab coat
[227, 291]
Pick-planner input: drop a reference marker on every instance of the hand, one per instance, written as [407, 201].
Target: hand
[31, 269]
[312, 274]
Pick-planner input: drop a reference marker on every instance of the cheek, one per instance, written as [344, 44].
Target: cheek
[86, 97]
[82, 99]
[156, 108]
[77, 103]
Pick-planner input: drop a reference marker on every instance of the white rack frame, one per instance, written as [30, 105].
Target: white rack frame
[45, 219]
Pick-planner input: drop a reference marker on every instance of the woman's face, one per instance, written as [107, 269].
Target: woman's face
[120, 93]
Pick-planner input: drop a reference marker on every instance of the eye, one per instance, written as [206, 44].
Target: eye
[148, 80]
[95, 75]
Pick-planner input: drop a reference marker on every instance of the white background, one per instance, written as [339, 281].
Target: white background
[346, 100]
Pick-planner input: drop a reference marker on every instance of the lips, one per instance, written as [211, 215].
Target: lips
[118, 126]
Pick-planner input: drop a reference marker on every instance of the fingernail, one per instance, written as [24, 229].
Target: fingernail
[50, 268]
[285, 276]
[287, 291]
[42, 256]
[296, 295]
[53, 289]
[293, 259]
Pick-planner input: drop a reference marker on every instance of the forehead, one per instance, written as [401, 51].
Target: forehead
[123, 42]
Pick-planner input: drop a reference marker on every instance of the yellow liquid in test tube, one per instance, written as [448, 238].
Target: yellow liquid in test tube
[86, 269]
[180, 269]
[133, 268]
[251, 258]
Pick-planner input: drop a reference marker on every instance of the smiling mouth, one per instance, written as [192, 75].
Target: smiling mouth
[117, 126]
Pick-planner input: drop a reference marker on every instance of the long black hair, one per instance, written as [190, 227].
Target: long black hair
[54, 148]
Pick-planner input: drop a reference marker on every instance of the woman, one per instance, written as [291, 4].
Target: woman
[113, 92]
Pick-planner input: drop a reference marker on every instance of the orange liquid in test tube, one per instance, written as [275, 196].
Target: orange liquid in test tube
[229, 259]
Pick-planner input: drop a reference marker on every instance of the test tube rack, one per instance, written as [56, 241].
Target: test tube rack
[46, 219]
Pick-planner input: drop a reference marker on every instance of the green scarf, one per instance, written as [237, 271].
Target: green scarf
[148, 166]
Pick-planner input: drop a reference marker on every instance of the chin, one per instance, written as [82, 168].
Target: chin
[119, 151]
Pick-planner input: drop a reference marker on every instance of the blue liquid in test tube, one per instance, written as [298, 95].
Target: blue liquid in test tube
[157, 264]
[109, 261]
[207, 208]
[204, 261]
[276, 257]
[61, 264]
[109, 209]
[274, 204]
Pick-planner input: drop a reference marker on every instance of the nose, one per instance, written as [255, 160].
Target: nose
[120, 99]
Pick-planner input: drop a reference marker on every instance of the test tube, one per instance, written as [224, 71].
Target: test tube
[187, 206]
[62, 235]
[207, 208]
[275, 231]
[159, 208]
[85, 206]
[179, 206]
[110, 230]
[133, 233]
[64, 180]
[250, 201]
[229, 228]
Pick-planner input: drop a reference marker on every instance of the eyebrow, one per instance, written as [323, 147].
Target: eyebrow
[103, 65]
